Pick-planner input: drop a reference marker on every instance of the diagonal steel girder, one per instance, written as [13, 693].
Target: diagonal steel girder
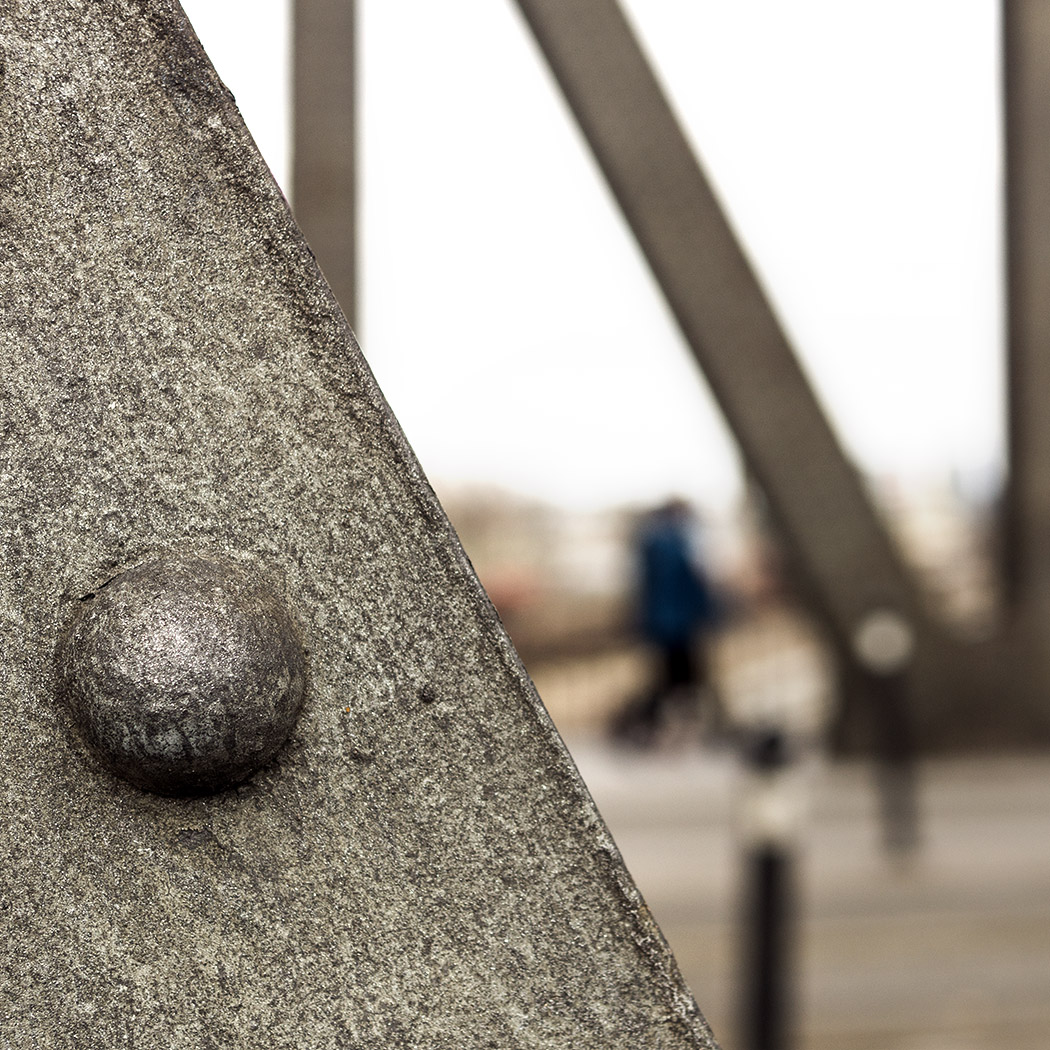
[818, 497]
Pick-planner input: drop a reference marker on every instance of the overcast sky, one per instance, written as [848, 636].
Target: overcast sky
[507, 313]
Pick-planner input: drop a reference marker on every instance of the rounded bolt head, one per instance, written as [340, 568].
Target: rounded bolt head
[184, 675]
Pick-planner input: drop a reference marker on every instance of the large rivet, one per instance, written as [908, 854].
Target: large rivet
[183, 674]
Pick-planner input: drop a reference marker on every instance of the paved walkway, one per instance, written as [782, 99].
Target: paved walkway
[949, 952]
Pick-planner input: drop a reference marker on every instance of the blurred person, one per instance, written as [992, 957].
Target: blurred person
[676, 607]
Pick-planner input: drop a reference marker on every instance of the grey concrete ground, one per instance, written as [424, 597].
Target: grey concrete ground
[949, 952]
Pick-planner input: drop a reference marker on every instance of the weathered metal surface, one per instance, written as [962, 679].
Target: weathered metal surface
[324, 173]
[184, 675]
[420, 866]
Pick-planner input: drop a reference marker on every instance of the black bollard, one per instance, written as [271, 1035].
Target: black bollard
[768, 898]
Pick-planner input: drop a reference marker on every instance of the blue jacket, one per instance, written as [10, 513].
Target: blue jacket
[676, 599]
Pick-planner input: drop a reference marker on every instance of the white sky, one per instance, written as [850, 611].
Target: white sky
[507, 313]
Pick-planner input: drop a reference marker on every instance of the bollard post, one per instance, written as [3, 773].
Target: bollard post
[771, 817]
[779, 695]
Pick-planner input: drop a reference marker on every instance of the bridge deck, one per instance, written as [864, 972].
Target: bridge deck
[952, 951]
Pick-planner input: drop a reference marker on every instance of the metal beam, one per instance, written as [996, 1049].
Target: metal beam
[814, 491]
[324, 164]
[209, 516]
[1026, 76]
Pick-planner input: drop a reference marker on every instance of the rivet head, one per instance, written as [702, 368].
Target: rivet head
[184, 674]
